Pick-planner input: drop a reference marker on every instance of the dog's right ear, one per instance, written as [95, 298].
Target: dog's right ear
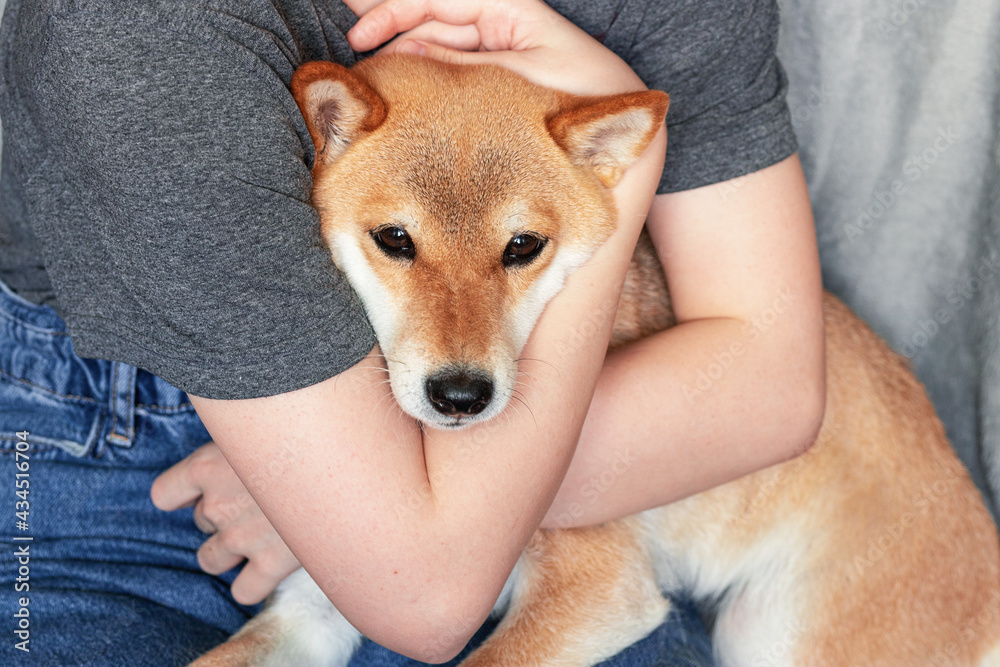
[338, 107]
[607, 134]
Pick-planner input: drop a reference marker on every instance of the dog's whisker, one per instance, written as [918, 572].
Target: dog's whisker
[516, 397]
[541, 361]
[384, 357]
[377, 405]
[522, 384]
[394, 361]
[506, 414]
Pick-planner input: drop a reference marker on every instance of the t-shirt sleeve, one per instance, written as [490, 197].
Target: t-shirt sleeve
[184, 242]
[728, 116]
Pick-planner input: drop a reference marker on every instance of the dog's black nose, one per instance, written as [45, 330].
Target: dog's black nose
[459, 393]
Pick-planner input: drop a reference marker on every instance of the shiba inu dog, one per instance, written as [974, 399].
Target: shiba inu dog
[457, 200]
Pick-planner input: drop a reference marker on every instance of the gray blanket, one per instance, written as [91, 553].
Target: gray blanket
[897, 109]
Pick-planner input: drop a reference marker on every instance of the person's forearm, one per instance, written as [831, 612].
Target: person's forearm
[559, 370]
[686, 410]
[506, 472]
[739, 384]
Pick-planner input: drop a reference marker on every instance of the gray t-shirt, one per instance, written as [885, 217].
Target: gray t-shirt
[155, 180]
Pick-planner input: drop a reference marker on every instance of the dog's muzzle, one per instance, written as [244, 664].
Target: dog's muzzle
[459, 393]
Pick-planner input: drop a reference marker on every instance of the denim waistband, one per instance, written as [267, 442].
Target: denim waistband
[78, 405]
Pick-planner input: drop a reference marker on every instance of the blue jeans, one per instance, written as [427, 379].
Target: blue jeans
[90, 572]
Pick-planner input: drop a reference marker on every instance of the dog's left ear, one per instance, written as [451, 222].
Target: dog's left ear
[608, 134]
[338, 106]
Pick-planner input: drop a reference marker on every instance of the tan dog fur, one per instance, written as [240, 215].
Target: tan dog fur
[874, 548]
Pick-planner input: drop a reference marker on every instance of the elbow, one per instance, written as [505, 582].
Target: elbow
[809, 427]
[797, 404]
[432, 651]
[809, 410]
[434, 632]
[437, 643]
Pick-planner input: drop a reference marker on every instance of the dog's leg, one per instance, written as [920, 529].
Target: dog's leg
[250, 646]
[580, 597]
[298, 627]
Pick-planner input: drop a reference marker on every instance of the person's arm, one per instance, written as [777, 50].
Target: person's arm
[413, 534]
[739, 384]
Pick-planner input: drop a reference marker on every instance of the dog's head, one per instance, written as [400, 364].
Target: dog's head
[457, 200]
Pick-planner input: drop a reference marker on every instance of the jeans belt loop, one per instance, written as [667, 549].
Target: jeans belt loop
[122, 404]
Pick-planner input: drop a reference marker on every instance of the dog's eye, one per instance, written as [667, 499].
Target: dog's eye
[395, 242]
[522, 249]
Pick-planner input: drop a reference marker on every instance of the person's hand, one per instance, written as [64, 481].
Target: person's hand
[224, 509]
[525, 36]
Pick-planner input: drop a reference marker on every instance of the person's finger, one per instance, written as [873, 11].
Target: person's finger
[203, 523]
[392, 17]
[360, 7]
[453, 56]
[261, 576]
[217, 555]
[529, 64]
[461, 37]
[177, 486]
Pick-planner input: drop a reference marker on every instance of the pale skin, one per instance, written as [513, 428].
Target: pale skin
[412, 534]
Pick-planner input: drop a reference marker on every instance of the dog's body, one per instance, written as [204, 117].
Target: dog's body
[874, 548]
